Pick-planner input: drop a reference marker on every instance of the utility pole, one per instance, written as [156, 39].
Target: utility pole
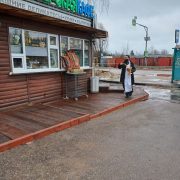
[147, 38]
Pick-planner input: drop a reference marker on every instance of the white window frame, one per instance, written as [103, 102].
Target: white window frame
[82, 67]
[84, 53]
[53, 47]
[24, 69]
[21, 56]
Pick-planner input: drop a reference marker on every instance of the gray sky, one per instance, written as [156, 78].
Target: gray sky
[161, 16]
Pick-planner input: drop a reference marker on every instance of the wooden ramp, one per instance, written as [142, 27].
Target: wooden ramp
[20, 122]
[27, 123]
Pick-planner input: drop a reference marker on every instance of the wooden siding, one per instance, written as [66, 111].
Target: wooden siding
[13, 89]
[44, 87]
[28, 88]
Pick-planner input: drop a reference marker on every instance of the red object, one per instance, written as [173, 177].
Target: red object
[118, 61]
[151, 61]
[111, 62]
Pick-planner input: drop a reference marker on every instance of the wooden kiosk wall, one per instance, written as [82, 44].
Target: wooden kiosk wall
[29, 88]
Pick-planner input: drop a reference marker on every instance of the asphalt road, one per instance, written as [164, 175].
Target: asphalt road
[140, 142]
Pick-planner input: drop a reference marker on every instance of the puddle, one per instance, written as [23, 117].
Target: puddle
[172, 95]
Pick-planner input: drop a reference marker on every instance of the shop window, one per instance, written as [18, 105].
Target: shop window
[86, 53]
[54, 58]
[36, 50]
[33, 51]
[54, 51]
[18, 62]
[53, 41]
[16, 44]
[77, 46]
[64, 45]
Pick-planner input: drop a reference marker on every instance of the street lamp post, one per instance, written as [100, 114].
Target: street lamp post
[147, 38]
[101, 47]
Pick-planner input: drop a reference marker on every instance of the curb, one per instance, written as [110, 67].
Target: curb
[120, 106]
[42, 133]
[155, 85]
[65, 125]
[164, 75]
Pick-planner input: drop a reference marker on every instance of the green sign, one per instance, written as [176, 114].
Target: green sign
[176, 65]
[75, 6]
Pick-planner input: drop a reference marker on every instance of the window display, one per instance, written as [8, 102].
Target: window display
[77, 46]
[64, 45]
[16, 44]
[54, 51]
[35, 39]
[33, 51]
[86, 53]
[53, 40]
[54, 58]
[36, 50]
[34, 62]
[17, 62]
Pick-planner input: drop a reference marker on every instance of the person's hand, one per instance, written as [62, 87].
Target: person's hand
[129, 70]
[123, 64]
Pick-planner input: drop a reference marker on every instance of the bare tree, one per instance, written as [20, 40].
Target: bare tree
[164, 52]
[151, 50]
[132, 53]
[100, 5]
[100, 45]
[156, 52]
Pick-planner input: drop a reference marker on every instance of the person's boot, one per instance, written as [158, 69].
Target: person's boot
[130, 93]
[127, 95]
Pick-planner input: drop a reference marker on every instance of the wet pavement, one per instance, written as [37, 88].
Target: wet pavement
[167, 94]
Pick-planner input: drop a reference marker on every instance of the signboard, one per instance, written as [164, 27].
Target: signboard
[75, 6]
[176, 65]
[43, 10]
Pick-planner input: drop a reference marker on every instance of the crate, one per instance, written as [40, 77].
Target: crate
[76, 85]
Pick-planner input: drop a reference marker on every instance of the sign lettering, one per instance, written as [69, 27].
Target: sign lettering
[75, 6]
[21, 4]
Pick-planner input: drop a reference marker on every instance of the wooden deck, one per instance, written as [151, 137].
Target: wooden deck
[22, 121]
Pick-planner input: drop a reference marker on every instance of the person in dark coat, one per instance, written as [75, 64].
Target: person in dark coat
[127, 75]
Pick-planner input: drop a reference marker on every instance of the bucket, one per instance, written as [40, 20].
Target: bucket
[94, 84]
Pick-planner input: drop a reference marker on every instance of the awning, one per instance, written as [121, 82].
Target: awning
[95, 33]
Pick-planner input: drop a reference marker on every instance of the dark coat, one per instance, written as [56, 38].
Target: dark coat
[123, 67]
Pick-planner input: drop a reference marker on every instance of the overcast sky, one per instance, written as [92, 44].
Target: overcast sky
[161, 16]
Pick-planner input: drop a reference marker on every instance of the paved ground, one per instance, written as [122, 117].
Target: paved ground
[140, 142]
[142, 76]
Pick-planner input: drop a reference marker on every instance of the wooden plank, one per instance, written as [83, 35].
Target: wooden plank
[31, 118]
[10, 131]
[3, 138]
[20, 123]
